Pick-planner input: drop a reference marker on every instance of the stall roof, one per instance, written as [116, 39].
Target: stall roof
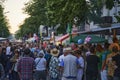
[105, 31]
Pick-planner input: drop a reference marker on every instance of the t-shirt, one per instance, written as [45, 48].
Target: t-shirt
[8, 50]
[99, 54]
[61, 58]
[40, 64]
[104, 57]
[47, 57]
[81, 62]
[117, 61]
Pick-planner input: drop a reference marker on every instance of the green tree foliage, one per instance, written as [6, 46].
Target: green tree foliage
[36, 9]
[109, 4]
[53, 12]
[118, 16]
[27, 27]
[64, 11]
[37, 16]
[4, 28]
[94, 12]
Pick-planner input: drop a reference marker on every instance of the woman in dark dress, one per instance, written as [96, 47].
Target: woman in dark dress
[92, 65]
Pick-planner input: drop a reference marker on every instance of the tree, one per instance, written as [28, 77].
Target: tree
[37, 16]
[63, 12]
[53, 12]
[37, 9]
[26, 28]
[118, 16]
[109, 4]
[4, 27]
[94, 12]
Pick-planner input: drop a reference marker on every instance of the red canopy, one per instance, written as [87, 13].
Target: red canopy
[65, 37]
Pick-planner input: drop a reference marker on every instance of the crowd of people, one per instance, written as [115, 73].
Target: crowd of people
[35, 61]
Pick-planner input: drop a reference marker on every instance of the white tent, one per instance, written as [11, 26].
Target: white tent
[30, 40]
[3, 39]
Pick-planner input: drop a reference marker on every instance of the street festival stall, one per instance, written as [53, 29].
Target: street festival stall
[93, 38]
[3, 39]
[63, 39]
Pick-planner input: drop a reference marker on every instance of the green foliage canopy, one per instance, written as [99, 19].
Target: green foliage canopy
[53, 12]
[4, 27]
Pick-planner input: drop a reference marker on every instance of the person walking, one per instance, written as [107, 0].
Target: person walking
[25, 66]
[54, 65]
[109, 62]
[14, 61]
[104, 67]
[1, 72]
[80, 67]
[40, 72]
[99, 53]
[69, 64]
[116, 61]
[92, 65]
[4, 60]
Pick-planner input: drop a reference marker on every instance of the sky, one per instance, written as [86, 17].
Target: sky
[13, 11]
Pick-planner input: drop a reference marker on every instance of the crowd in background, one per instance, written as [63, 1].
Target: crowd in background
[34, 61]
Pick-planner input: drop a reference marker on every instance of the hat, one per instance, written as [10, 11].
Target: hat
[67, 49]
[41, 53]
[55, 52]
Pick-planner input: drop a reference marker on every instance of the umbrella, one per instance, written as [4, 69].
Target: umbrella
[94, 39]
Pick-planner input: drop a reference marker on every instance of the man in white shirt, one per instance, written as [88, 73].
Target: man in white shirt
[40, 72]
[8, 50]
[80, 65]
[69, 65]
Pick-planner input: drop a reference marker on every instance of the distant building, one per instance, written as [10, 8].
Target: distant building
[107, 15]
